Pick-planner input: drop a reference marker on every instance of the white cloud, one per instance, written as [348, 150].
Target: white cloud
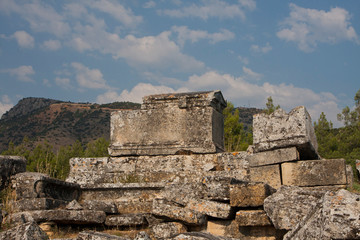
[149, 4]
[88, 78]
[135, 95]
[63, 83]
[251, 74]
[212, 9]
[256, 48]
[22, 73]
[51, 45]
[185, 34]
[244, 60]
[24, 39]
[5, 104]
[308, 27]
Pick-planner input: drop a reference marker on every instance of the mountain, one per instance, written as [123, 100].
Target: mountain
[62, 123]
[59, 123]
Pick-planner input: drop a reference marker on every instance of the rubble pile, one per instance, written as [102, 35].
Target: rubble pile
[168, 177]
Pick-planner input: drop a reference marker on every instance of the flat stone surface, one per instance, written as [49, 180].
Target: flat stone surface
[349, 176]
[170, 124]
[25, 231]
[267, 174]
[246, 218]
[336, 216]
[290, 204]
[167, 230]
[164, 208]
[210, 208]
[105, 206]
[273, 157]
[90, 235]
[314, 172]
[10, 165]
[59, 216]
[249, 194]
[217, 227]
[30, 204]
[125, 220]
[282, 130]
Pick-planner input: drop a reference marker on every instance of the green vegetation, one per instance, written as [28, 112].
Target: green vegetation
[42, 157]
[270, 107]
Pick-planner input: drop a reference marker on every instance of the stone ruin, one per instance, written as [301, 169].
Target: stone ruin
[168, 177]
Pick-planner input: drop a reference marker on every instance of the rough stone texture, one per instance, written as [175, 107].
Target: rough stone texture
[290, 204]
[58, 216]
[349, 176]
[38, 185]
[125, 220]
[142, 236]
[106, 206]
[335, 217]
[314, 172]
[26, 231]
[170, 124]
[171, 168]
[196, 236]
[218, 187]
[217, 227]
[10, 165]
[253, 233]
[30, 204]
[89, 235]
[267, 174]
[246, 218]
[164, 208]
[273, 157]
[249, 194]
[167, 230]
[281, 130]
[210, 208]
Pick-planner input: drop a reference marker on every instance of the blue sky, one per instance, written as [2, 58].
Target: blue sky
[299, 52]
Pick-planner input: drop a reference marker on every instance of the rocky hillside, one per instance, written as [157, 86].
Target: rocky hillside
[62, 123]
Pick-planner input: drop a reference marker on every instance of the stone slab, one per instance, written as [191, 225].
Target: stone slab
[249, 194]
[210, 208]
[91, 235]
[170, 124]
[125, 220]
[25, 231]
[10, 165]
[246, 218]
[349, 176]
[314, 172]
[273, 157]
[268, 174]
[164, 208]
[30, 204]
[168, 229]
[217, 227]
[105, 206]
[282, 130]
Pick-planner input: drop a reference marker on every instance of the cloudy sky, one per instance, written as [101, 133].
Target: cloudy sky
[299, 52]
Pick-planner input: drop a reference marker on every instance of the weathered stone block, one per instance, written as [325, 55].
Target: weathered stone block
[170, 124]
[161, 207]
[267, 174]
[125, 220]
[314, 172]
[30, 204]
[38, 185]
[166, 230]
[246, 218]
[349, 176]
[10, 165]
[218, 228]
[336, 216]
[282, 130]
[273, 157]
[249, 194]
[26, 231]
[90, 235]
[210, 208]
[252, 233]
[105, 206]
[290, 204]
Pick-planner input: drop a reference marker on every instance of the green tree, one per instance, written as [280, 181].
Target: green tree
[270, 107]
[351, 117]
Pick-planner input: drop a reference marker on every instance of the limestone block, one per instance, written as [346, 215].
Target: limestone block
[105, 206]
[142, 236]
[314, 172]
[170, 124]
[282, 130]
[133, 205]
[90, 235]
[10, 165]
[25, 231]
[210, 208]
[167, 230]
[267, 174]
[38, 185]
[125, 220]
[30, 204]
[252, 233]
[246, 218]
[349, 176]
[161, 207]
[290, 204]
[58, 216]
[195, 236]
[273, 157]
[249, 194]
[336, 216]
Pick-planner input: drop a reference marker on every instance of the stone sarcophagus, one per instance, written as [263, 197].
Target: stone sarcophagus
[170, 124]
